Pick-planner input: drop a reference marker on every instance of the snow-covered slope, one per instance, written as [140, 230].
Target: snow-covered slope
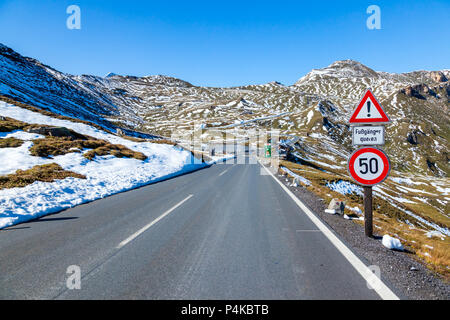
[105, 175]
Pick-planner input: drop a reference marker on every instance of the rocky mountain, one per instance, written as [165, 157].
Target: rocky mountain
[317, 107]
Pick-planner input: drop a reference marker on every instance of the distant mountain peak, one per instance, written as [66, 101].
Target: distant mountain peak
[111, 74]
[342, 69]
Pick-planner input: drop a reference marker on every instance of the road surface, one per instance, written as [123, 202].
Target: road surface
[224, 232]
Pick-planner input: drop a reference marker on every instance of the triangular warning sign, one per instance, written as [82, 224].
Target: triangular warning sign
[369, 111]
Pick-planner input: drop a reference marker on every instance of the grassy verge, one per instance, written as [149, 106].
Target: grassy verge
[45, 173]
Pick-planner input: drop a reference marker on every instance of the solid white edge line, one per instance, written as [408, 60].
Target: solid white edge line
[139, 232]
[383, 290]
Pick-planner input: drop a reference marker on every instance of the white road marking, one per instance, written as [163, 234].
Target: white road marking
[383, 291]
[223, 173]
[138, 233]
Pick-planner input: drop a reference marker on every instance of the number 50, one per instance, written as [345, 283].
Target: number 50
[369, 165]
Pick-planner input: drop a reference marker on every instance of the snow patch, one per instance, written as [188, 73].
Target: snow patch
[392, 243]
[344, 187]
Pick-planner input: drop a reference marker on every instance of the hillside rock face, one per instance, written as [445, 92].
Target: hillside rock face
[315, 109]
[419, 91]
[438, 76]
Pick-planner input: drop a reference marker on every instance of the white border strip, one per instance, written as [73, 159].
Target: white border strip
[383, 291]
[141, 231]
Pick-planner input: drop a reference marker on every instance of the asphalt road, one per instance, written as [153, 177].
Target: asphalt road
[225, 232]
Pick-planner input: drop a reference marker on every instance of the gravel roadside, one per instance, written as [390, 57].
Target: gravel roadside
[409, 276]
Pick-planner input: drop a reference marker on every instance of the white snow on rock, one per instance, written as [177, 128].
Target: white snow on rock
[392, 243]
[357, 210]
[106, 175]
[434, 233]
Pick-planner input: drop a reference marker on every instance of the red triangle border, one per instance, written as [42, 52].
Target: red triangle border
[384, 118]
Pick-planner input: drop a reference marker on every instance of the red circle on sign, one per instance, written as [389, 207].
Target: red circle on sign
[385, 169]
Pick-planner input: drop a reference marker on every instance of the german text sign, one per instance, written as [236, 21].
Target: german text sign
[368, 135]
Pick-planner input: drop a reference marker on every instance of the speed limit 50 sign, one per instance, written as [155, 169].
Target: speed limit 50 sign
[369, 166]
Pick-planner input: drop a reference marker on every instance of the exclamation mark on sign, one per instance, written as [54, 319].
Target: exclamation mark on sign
[368, 109]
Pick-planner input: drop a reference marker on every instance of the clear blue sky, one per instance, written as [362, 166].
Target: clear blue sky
[226, 43]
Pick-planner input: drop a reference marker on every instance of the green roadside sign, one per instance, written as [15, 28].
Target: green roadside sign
[268, 150]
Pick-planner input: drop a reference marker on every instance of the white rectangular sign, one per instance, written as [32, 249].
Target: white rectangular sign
[368, 135]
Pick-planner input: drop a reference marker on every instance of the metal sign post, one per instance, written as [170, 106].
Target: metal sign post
[368, 216]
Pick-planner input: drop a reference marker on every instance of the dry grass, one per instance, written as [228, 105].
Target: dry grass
[45, 173]
[10, 143]
[164, 141]
[9, 125]
[56, 146]
[116, 150]
[134, 139]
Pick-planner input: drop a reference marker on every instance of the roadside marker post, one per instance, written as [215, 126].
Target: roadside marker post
[368, 165]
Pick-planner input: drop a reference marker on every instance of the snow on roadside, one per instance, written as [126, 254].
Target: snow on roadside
[106, 175]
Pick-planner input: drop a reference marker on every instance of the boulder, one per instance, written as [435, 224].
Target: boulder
[336, 206]
[56, 132]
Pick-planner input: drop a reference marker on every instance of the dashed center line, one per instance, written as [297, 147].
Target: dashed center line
[141, 231]
[223, 173]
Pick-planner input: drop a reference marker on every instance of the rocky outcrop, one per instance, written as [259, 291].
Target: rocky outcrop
[326, 107]
[56, 132]
[413, 137]
[419, 91]
[438, 76]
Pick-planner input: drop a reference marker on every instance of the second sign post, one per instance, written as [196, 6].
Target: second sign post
[368, 165]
